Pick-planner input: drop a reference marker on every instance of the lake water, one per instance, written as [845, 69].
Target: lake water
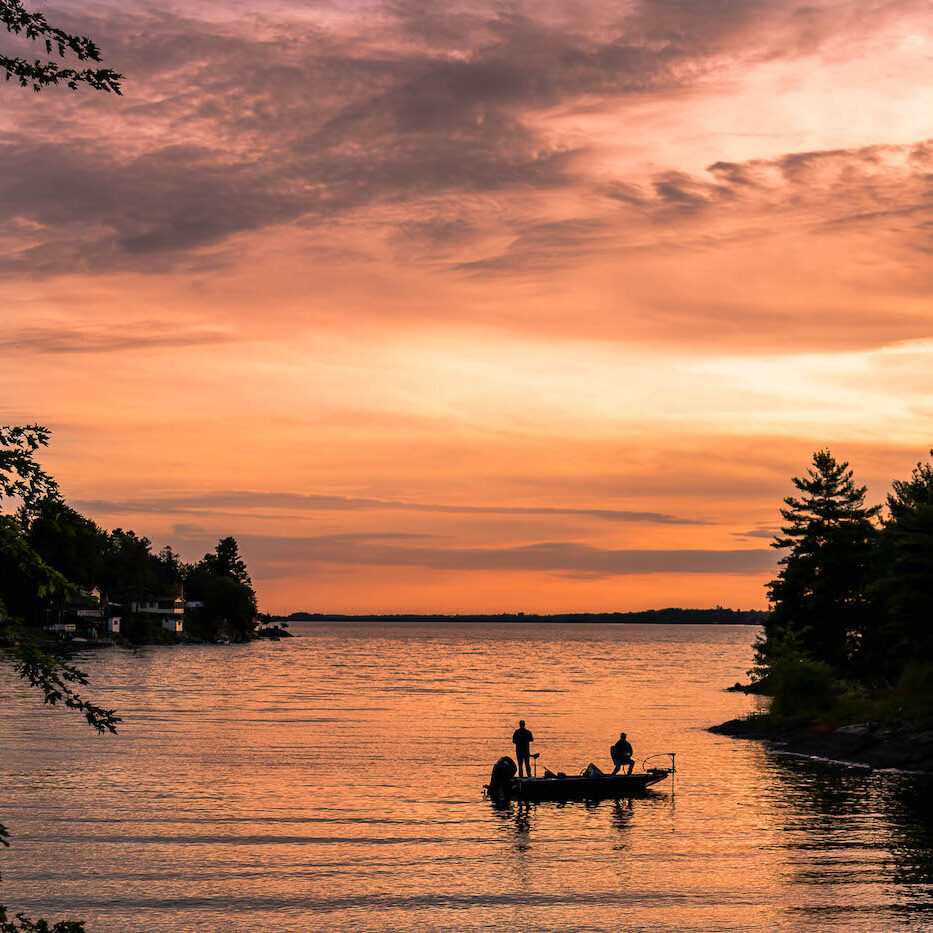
[332, 782]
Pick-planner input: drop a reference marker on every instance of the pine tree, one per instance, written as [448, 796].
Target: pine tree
[221, 581]
[820, 593]
[904, 587]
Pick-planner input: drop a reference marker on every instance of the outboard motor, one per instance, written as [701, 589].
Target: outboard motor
[501, 778]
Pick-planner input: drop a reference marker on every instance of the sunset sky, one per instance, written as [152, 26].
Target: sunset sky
[474, 306]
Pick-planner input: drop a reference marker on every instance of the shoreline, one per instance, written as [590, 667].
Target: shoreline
[71, 645]
[646, 617]
[901, 746]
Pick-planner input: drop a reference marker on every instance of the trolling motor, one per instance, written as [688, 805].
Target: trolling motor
[672, 770]
[671, 755]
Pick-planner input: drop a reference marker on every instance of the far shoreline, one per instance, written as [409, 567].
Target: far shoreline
[717, 616]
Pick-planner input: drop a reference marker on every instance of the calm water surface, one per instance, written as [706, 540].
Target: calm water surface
[332, 782]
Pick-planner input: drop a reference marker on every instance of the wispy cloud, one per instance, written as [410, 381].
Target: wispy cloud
[240, 502]
[561, 557]
[142, 336]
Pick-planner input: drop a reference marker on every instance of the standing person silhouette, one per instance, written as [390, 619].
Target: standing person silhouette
[523, 738]
[622, 754]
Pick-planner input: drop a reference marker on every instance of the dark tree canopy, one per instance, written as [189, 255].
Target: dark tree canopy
[172, 568]
[226, 561]
[821, 590]
[39, 73]
[71, 543]
[852, 606]
[221, 581]
[904, 578]
[27, 577]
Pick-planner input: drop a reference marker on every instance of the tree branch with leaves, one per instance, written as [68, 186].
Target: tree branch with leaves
[26, 485]
[39, 73]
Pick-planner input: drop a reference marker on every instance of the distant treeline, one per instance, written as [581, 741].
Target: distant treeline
[717, 616]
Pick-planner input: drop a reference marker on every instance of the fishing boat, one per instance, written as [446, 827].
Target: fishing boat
[590, 784]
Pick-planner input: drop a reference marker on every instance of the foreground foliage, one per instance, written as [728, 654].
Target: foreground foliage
[22, 924]
[40, 74]
[23, 481]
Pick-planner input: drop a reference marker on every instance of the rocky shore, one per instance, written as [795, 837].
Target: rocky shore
[901, 745]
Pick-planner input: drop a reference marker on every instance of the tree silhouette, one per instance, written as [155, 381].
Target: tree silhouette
[226, 561]
[820, 592]
[221, 581]
[40, 74]
[904, 573]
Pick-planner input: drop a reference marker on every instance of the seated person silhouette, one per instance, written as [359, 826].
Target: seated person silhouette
[523, 738]
[622, 754]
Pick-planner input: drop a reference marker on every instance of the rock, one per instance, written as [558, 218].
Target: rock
[858, 728]
[757, 688]
[732, 727]
[899, 745]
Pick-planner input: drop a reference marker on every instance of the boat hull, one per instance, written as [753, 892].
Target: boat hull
[599, 787]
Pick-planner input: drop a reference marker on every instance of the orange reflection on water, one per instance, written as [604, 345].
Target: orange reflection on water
[333, 781]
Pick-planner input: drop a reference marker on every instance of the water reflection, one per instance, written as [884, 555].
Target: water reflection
[248, 779]
[517, 817]
[520, 817]
[622, 813]
[857, 843]
[908, 807]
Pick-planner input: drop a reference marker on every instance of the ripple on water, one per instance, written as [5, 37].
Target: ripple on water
[332, 782]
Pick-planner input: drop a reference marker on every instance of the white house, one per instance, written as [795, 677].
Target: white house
[167, 607]
[171, 624]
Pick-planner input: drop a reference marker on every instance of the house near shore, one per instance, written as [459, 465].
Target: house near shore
[163, 607]
[89, 611]
[168, 611]
[90, 615]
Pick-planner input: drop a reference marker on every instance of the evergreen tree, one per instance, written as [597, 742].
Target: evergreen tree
[226, 561]
[132, 570]
[171, 569]
[69, 542]
[904, 586]
[221, 581]
[820, 593]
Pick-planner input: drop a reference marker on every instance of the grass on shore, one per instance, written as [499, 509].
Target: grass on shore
[809, 692]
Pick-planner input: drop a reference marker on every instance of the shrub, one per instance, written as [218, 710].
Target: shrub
[803, 688]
